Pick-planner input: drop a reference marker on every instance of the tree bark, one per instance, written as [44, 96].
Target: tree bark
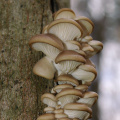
[20, 89]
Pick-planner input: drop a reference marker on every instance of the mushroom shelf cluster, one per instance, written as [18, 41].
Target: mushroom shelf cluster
[67, 44]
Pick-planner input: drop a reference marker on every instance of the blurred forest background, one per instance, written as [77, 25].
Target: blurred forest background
[106, 17]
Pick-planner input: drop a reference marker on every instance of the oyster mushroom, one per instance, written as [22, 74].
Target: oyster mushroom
[64, 13]
[47, 116]
[65, 29]
[77, 110]
[49, 110]
[49, 99]
[72, 45]
[60, 115]
[59, 111]
[44, 68]
[58, 88]
[49, 44]
[82, 88]
[67, 79]
[89, 98]
[67, 61]
[86, 24]
[86, 39]
[86, 73]
[97, 45]
[87, 49]
[68, 95]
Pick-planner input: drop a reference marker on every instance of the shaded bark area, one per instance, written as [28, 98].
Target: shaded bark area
[20, 89]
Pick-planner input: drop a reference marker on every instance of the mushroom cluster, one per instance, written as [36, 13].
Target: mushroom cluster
[67, 44]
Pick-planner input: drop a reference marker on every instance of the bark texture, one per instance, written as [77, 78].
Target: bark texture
[20, 89]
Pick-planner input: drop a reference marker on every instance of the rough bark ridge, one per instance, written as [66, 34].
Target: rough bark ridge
[20, 89]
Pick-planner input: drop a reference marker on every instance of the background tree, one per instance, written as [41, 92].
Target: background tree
[20, 89]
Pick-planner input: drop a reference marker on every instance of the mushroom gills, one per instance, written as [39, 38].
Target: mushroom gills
[83, 75]
[65, 31]
[88, 101]
[47, 49]
[67, 66]
[77, 114]
[68, 99]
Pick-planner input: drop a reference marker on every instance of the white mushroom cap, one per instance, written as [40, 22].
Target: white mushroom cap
[49, 99]
[64, 13]
[58, 88]
[86, 73]
[77, 110]
[49, 44]
[44, 68]
[47, 116]
[67, 61]
[86, 24]
[89, 98]
[49, 110]
[67, 79]
[65, 29]
[68, 95]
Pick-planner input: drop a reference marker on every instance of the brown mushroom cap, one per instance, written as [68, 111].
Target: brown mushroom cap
[90, 94]
[58, 88]
[70, 55]
[48, 39]
[72, 45]
[64, 13]
[89, 98]
[77, 109]
[86, 47]
[69, 91]
[49, 109]
[82, 88]
[65, 29]
[77, 106]
[97, 45]
[68, 79]
[47, 116]
[86, 39]
[68, 95]
[59, 111]
[60, 115]
[44, 68]
[88, 68]
[48, 95]
[86, 24]
[81, 52]
[86, 73]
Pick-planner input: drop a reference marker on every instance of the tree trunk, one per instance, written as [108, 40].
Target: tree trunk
[20, 89]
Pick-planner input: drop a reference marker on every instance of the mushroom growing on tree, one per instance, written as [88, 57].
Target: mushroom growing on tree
[67, 44]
